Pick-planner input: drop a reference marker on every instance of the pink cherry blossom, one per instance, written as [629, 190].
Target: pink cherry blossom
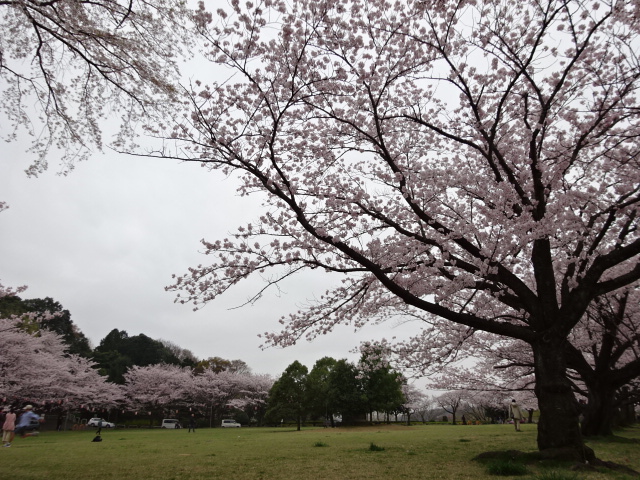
[67, 64]
[472, 165]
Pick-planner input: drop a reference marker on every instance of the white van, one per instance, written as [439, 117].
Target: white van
[230, 423]
[170, 423]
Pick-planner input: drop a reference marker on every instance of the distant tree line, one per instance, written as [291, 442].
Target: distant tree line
[117, 351]
[46, 360]
[60, 322]
[335, 389]
[158, 378]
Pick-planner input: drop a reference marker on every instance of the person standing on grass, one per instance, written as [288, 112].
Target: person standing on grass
[192, 423]
[515, 412]
[24, 424]
[8, 427]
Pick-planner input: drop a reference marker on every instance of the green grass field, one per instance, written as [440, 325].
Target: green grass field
[376, 452]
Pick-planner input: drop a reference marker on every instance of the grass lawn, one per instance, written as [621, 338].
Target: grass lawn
[377, 452]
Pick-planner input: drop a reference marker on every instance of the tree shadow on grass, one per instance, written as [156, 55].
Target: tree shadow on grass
[613, 439]
[556, 458]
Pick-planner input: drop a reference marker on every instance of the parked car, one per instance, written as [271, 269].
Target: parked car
[100, 422]
[230, 423]
[170, 423]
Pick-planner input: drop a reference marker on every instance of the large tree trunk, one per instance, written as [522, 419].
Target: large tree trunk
[599, 411]
[558, 428]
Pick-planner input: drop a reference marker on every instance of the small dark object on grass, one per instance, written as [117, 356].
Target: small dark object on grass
[320, 444]
[375, 448]
[97, 438]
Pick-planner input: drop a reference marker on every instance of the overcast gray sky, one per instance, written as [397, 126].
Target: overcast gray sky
[105, 240]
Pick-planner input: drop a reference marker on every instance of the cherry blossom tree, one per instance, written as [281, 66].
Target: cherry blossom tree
[605, 354]
[219, 392]
[35, 366]
[487, 407]
[473, 161]
[414, 399]
[427, 410]
[252, 396]
[158, 387]
[508, 368]
[60, 322]
[31, 363]
[81, 386]
[452, 401]
[164, 387]
[65, 64]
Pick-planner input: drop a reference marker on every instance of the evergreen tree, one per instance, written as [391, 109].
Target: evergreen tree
[318, 389]
[287, 397]
[118, 352]
[345, 394]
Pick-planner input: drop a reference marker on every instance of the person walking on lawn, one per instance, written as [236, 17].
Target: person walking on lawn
[515, 412]
[8, 427]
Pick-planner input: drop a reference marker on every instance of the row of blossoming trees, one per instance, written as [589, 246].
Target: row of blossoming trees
[167, 388]
[37, 367]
